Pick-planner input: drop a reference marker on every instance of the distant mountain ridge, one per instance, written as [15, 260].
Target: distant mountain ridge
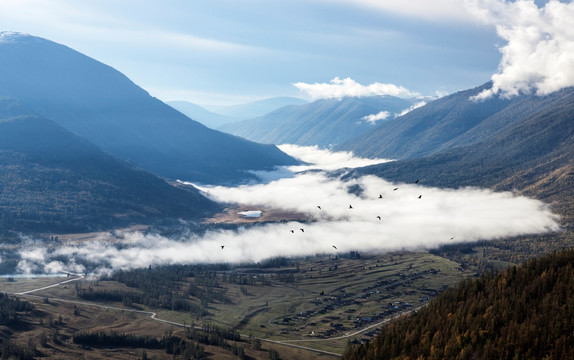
[325, 122]
[255, 108]
[53, 180]
[210, 119]
[99, 103]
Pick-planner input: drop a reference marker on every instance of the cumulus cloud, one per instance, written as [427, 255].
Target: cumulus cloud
[339, 88]
[406, 222]
[538, 56]
[373, 118]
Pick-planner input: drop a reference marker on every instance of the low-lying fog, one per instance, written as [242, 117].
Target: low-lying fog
[381, 217]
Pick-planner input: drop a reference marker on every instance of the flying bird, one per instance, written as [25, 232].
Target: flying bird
[292, 231]
[222, 246]
[302, 230]
[378, 217]
[335, 247]
[380, 196]
[416, 182]
[420, 196]
[318, 207]
[350, 206]
[395, 189]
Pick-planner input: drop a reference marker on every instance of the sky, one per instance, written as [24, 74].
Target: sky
[223, 52]
[235, 51]
[413, 217]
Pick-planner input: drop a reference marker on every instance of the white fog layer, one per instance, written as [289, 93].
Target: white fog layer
[378, 219]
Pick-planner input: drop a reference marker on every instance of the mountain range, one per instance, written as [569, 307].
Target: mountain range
[325, 122]
[95, 115]
[102, 105]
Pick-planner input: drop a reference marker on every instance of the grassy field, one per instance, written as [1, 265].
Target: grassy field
[309, 309]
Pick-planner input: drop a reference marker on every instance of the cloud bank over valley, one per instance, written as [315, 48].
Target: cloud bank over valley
[367, 214]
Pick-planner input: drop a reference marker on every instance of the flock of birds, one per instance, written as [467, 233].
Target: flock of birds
[350, 207]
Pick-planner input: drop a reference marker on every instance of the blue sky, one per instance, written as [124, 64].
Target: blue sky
[235, 51]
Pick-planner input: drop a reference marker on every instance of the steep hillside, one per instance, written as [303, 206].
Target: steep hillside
[532, 154]
[448, 123]
[325, 122]
[102, 105]
[524, 313]
[53, 180]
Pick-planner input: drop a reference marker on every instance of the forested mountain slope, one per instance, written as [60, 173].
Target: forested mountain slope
[533, 154]
[525, 312]
[53, 180]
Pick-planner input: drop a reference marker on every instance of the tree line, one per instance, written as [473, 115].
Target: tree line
[173, 345]
[10, 306]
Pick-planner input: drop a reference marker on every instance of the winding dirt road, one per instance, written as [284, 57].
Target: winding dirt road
[153, 316]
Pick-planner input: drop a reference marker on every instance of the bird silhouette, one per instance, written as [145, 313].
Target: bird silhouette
[416, 182]
[350, 206]
[318, 207]
[302, 230]
[322, 293]
[292, 231]
[222, 246]
[380, 196]
[395, 189]
[420, 196]
[378, 217]
[335, 247]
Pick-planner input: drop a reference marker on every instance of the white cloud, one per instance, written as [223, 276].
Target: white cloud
[407, 222]
[373, 118]
[385, 114]
[338, 88]
[411, 108]
[538, 56]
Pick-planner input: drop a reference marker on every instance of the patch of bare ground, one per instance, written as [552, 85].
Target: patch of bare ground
[231, 215]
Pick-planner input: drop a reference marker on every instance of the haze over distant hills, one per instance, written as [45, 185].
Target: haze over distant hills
[210, 119]
[325, 122]
[102, 105]
[221, 115]
[255, 108]
[53, 180]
